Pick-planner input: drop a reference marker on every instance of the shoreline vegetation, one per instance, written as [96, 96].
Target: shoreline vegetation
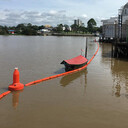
[53, 34]
[72, 34]
[47, 30]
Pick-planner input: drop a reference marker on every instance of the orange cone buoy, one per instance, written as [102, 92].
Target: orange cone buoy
[16, 85]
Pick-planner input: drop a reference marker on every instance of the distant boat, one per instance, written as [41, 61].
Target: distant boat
[75, 63]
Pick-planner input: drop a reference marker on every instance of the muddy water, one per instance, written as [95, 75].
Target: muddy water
[95, 97]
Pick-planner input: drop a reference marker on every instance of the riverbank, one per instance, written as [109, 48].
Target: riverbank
[72, 34]
[54, 34]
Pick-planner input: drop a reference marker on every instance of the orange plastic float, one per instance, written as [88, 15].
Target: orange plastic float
[16, 85]
[4, 94]
[16, 82]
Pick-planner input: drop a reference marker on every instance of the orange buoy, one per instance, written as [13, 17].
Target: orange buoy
[16, 85]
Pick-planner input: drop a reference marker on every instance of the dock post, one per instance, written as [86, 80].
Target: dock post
[86, 47]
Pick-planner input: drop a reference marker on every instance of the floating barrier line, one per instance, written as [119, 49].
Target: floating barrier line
[65, 73]
[55, 76]
[4, 94]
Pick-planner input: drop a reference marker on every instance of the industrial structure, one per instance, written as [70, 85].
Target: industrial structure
[109, 28]
[115, 30]
[116, 27]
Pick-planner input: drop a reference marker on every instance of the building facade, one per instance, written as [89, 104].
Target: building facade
[110, 27]
[11, 31]
[124, 16]
[117, 27]
[78, 22]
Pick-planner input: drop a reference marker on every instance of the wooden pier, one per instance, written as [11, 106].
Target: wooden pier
[120, 49]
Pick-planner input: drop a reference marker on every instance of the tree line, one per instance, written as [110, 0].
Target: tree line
[29, 29]
[21, 29]
[91, 28]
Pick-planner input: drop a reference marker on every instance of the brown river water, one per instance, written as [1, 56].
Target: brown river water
[96, 97]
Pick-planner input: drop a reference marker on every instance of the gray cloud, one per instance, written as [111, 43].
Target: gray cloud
[12, 17]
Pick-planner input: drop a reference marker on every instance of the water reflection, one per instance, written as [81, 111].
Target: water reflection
[66, 80]
[119, 71]
[106, 51]
[120, 77]
[116, 89]
[59, 71]
[15, 98]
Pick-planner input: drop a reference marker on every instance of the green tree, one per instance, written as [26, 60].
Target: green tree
[91, 24]
[5, 30]
[20, 28]
[82, 29]
[66, 28]
[75, 28]
[59, 28]
[41, 27]
[99, 29]
[30, 29]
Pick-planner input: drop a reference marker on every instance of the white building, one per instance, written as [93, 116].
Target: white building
[123, 13]
[117, 26]
[78, 22]
[43, 31]
[110, 27]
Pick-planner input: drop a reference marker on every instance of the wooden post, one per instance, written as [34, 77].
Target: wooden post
[86, 47]
[112, 51]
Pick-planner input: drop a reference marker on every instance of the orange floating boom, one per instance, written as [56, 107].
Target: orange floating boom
[65, 73]
[19, 86]
[4, 94]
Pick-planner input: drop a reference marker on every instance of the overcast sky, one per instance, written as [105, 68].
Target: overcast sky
[53, 12]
